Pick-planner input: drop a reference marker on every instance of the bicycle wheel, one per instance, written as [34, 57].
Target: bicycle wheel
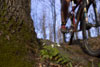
[91, 43]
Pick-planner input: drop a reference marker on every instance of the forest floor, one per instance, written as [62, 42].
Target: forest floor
[78, 57]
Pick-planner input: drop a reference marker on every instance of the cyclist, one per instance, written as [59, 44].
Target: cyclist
[64, 12]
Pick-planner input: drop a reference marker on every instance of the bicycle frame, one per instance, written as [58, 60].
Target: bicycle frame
[73, 15]
[73, 22]
[82, 9]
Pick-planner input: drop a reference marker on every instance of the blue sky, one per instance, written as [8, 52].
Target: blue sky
[37, 9]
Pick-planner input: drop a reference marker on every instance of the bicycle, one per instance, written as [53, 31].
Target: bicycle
[85, 25]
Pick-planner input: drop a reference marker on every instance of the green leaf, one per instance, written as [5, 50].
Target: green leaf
[70, 64]
[64, 61]
[99, 65]
[59, 60]
[45, 56]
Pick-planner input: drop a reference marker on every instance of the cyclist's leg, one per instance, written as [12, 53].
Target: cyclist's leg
[64, 13]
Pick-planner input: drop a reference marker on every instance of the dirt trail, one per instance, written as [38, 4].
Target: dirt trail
[79, 58]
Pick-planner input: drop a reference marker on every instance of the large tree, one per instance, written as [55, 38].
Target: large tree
[18, 42]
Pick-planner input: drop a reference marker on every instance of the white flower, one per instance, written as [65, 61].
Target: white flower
[58, 45]
[52, 45]
[44, 44]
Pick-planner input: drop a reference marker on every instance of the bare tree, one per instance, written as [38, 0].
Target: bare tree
[43, 25]
[99, 23]
[53, 10]
[59, 36]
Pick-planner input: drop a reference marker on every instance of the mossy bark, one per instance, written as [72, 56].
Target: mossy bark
[17, 36]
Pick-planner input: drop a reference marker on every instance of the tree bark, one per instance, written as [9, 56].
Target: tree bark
[18, 41]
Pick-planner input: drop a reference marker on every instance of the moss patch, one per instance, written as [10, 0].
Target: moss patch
[13, 40]
[14, 50]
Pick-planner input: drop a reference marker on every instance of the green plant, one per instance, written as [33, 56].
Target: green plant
[48, 52]
[53, 54]
[98, 64]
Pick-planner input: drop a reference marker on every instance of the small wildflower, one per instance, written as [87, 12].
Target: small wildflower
[44, 44]
[58, 45]
[52, 45]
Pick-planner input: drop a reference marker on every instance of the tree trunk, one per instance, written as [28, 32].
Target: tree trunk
[18, 42]
[54, 22]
